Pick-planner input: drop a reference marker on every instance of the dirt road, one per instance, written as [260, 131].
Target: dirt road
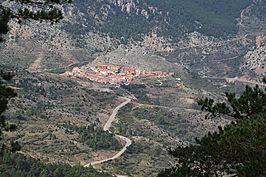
[107, 126]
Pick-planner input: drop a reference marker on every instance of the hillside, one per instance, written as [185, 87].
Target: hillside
[17, 165]
[205, 48]
[171, 19]
[236, 149]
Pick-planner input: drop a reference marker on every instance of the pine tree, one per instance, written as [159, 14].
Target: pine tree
[237, 149]
[6, 93]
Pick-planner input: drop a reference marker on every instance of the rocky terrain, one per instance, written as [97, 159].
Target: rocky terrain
[130, 33]
[48, 101]
[256, 60]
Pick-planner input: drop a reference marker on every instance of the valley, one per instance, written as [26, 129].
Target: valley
[115, 84]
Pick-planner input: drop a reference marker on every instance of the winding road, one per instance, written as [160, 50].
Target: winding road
[106, 127]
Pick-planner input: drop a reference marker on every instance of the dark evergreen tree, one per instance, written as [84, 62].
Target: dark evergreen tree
[18, 165]
[5, 15]
[6, 93]
[237, 149]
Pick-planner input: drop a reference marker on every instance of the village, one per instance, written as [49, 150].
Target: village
[112, 74]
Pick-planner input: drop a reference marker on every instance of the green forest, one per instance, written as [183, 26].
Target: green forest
[18, 165]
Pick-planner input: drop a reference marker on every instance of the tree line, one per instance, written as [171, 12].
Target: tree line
[47, 11]
[54, 14]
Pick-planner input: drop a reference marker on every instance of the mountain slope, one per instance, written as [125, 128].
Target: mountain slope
[131, 19]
